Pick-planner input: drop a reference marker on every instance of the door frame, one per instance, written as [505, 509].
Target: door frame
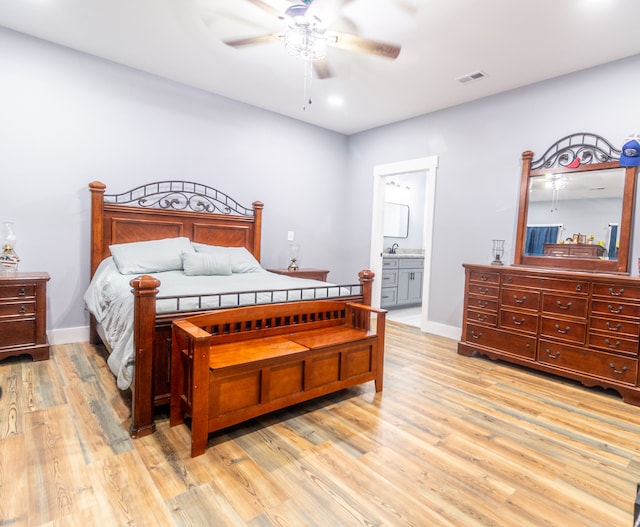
[429, 166]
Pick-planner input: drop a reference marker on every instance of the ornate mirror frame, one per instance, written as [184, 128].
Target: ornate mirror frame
[576, 153]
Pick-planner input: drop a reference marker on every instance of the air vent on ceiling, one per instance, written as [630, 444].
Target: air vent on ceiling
[475, 76]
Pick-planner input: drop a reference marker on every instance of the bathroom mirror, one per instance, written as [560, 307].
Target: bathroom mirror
[396, 220]
[576, 206]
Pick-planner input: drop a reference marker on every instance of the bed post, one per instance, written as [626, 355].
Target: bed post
[97, 239]
[145, 289]
[257, 228]
[366, 279]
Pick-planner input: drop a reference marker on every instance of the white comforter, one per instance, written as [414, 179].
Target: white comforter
[110, 300]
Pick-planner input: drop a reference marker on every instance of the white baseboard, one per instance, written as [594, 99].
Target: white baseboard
[442, 330]
[68, 335]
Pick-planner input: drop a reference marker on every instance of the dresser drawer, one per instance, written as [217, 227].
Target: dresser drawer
[575, 306]
[613, 291]
[482, 317]
[591, 362]
[613, 326]
[483, 303]
[20, 332]
[518, 320]
[538, 282]
[615, 308]
[484, 276]
[483, 290]
[520, 298]
[502, 341]
[17, 291]
[563, 329]
[614, 343]
[17, 309]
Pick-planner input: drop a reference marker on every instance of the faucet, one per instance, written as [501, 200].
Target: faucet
[394, 248]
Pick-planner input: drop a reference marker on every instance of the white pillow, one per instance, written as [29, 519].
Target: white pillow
[150, 256]
[242, 261]
[203, 264]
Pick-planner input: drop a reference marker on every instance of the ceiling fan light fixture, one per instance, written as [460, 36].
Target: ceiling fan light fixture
[305, 42]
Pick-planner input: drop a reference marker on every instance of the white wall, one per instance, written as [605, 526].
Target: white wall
[67, 119]
[479, 148]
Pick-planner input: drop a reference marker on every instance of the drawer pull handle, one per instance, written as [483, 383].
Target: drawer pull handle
[22, 309]
[482, 303]
[484, 277]
[22, 292]
[623, 370]
[619, 293]
[518, 322]
[475, 335]
[612, 346]
[552, 355]
[568, 306]
[563, 331]
[612, 328]
[484, 290]
[481, 317]
[519, 300]
[579, 288]
[615, 311]
[509, 280]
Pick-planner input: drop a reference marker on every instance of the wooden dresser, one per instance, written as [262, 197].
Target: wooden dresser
[23, 315]
[577, 250]
[579, 325]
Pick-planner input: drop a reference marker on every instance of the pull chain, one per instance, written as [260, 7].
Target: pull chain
[307, 84]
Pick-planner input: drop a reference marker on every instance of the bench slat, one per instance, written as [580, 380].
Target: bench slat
[322, 338]
[252, 351]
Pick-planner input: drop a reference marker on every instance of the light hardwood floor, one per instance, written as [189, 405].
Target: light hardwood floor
[451, 441]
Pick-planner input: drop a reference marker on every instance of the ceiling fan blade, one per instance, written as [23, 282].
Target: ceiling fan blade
[365, 45]
[250, 41]
[322, 69]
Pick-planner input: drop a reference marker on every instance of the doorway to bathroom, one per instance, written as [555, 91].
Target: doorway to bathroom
[393, 201]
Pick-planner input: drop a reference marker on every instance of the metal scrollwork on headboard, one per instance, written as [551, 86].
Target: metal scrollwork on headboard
[576, 150]
[180, 195]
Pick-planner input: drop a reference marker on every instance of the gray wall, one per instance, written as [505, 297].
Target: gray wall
[479, 146]
[68, 119]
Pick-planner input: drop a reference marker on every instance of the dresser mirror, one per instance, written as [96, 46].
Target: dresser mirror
[576, 207]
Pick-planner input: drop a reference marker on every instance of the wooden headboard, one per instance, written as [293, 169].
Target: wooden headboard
[168, 209]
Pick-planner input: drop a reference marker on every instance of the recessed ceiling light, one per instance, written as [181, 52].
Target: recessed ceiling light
[335, 100]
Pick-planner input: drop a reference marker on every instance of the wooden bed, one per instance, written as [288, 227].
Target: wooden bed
[169, 209]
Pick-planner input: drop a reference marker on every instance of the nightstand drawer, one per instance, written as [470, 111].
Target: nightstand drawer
[13, 291]
[17, 309]
[20, 332]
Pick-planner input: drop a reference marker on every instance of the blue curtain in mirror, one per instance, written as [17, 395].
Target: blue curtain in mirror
[538, 236]
[613, 237]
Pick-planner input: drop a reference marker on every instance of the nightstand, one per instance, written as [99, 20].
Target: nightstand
[313, 274]
[23, 315]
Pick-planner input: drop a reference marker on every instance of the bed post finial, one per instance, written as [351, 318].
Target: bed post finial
[257, 228]
[366, 279]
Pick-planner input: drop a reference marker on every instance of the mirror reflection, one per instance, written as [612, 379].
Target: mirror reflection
[396, 220]
[575, 214]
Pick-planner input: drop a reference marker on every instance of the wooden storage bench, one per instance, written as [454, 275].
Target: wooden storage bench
[231, 365]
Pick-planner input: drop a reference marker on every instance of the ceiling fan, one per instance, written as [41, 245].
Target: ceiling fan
[308, 35]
